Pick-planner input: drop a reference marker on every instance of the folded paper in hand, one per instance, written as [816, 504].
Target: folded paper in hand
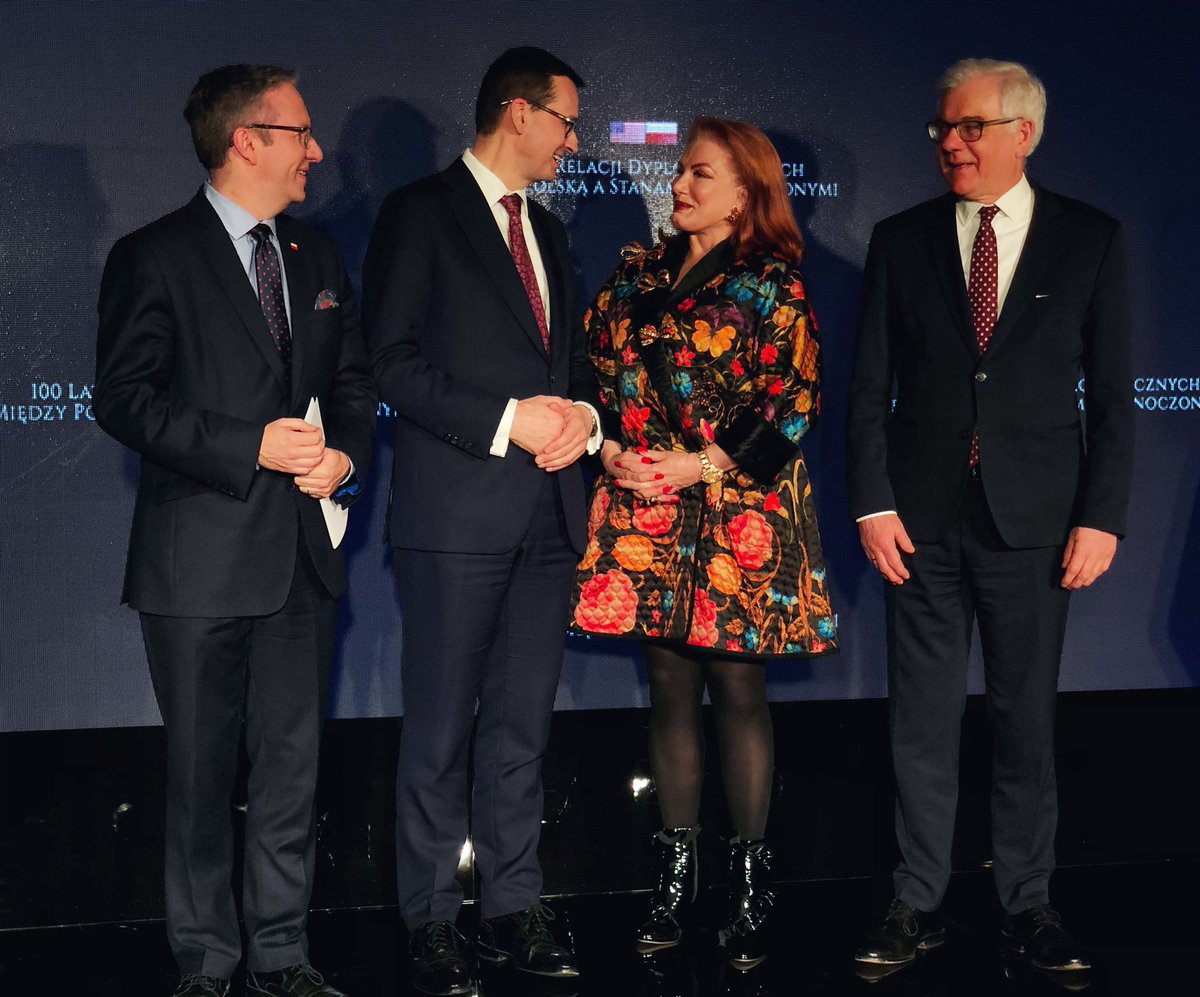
[335, 515]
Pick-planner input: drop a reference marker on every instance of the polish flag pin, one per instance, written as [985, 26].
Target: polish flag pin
[295, 248]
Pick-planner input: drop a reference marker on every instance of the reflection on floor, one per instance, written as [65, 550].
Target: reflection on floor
[1140, 921]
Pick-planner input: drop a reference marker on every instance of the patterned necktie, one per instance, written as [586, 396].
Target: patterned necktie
[270, 296]
[520, 255]
[982, 292]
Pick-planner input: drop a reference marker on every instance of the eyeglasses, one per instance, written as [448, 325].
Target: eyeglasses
[569, 122]
[969, 129]
[302, 132]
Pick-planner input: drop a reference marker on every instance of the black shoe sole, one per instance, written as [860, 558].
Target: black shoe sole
[644, 945]
[469, 990]
[745, 965]
[934, 940]
[494, 957]
[1016, 949]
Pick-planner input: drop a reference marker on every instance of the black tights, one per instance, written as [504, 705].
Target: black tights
[738, 690]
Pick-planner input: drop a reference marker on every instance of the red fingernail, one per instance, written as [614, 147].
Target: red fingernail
[667, 489]
[617, 463]
[659, 477]
[647, 460]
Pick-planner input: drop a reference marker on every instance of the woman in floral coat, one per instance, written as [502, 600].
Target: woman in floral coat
[703, 537]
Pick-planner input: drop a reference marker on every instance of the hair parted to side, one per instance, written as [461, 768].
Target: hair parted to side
[1021, 93]
[221, 102]
[520, 72]
[767, 224]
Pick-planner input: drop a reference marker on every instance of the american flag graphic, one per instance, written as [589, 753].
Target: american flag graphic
[643, 133]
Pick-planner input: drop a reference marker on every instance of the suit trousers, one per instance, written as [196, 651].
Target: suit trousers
[1015, 597]
[484, 636]
[215, 679]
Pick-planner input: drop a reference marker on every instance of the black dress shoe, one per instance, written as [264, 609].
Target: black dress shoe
[300, 980]
[1038, 935]
[440, 966]
[905, 932]
[525, 939]
[678, 882]
[195, 985]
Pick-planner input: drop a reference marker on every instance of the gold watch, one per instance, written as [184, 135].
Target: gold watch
[710, 474]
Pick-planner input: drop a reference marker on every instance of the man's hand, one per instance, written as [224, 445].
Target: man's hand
[292, 446]
[536, 422]
[1088, 555]
[569, 445]
[323, 480]
[883, 538]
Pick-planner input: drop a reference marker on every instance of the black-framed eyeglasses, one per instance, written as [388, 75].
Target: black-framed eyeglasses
[969, 129]
[569, 122]
[302, 132]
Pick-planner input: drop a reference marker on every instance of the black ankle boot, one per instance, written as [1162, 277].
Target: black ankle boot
[678, 881]
[744, 937]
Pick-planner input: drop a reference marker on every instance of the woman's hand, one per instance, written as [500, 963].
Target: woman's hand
[654, 476]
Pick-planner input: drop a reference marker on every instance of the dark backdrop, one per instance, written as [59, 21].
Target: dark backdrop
[92, 145]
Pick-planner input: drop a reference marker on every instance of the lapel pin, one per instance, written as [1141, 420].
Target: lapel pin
[295, 248]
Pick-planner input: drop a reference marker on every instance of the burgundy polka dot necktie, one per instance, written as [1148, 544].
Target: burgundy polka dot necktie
[270, 295]
[520, 255]
[982, 292]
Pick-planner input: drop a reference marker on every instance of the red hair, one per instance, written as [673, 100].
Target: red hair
[767, 224]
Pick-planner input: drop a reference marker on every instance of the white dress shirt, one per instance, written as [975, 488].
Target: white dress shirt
[494, 190]
[1011, 225]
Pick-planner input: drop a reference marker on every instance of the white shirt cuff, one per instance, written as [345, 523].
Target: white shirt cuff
[876, 515]
[500, 440]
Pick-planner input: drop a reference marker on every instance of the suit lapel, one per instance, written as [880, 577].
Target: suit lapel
[475, 217]
[302, 282]
[218, 249]
[1036, 255]
[947, 264]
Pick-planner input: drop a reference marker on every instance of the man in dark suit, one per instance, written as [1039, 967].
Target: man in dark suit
[477, 344]
[219, 324]
[982, 496]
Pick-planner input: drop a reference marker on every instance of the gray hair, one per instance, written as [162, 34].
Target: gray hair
[1021, 93]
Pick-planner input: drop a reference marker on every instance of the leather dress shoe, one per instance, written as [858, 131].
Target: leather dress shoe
[300, 980]
[905, 932]
[440, 966]
[525, 939]
[1038, 934]
[196, 985]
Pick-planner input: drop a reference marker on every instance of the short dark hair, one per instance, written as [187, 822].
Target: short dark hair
[520, 72]
[218, 104]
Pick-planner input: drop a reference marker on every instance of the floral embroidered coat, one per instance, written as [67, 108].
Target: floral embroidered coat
[730, 356]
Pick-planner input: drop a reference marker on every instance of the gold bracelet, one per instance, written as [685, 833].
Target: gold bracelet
[710, 474]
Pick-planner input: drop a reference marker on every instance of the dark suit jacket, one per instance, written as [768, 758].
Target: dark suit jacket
[1066, 316]
[188, 376]
[452, 337]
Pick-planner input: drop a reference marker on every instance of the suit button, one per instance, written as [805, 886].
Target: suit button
[964, 434]
[981, 377]
[551, 378]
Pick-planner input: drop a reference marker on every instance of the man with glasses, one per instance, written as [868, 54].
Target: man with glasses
[220, 324]
[982, 497]
[477, 344]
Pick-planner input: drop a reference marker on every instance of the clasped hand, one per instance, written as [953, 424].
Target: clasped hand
[654, 476]
[553, 429]
[296, 447]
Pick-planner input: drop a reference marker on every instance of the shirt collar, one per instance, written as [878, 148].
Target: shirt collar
[491, 185]
[237, 220]
[1016, 203]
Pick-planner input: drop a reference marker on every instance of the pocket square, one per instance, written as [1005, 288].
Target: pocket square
[325, 300]
[1038, 296]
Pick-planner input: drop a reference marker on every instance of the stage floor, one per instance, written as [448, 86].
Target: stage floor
[1141, 922]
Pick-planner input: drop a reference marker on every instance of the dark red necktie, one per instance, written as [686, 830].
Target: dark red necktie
[982, 292]
[520, 255]
[270, 294]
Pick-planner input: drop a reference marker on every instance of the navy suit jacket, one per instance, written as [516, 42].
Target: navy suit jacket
[1045, 467]
[452, 337]
[188, 376]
